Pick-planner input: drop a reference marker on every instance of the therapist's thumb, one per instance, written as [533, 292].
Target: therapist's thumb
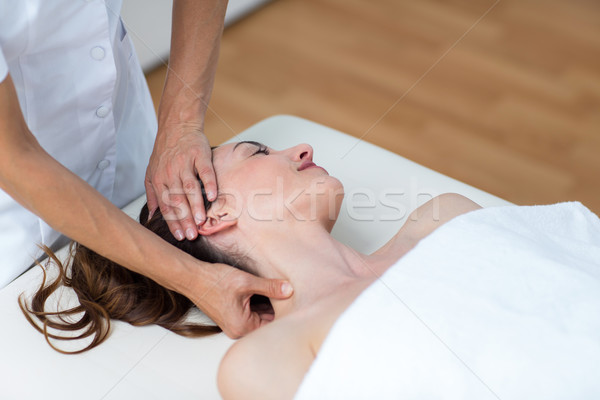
[273, 288]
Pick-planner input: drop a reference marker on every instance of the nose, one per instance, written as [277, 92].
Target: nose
[302, 152]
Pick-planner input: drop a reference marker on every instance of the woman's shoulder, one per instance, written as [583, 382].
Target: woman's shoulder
[436, 212]
[271, 362]
[426, 219]
[268, 363]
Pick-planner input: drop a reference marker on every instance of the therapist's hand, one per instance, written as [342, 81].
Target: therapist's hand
[227, 300]
[181, 155]
[181, 151]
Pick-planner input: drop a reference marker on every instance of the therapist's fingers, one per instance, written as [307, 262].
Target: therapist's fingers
[192, 208]
[206, 173]
[271, 288]
[263, 310]
[151, 199]
[229, 303]
[193, 191]
[170, 201]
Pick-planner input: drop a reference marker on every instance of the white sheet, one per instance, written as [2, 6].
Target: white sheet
[499, 303]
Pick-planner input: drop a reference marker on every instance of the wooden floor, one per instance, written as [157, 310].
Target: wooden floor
[503, 95]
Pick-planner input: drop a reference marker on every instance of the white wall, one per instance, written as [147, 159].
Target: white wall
[149, 25]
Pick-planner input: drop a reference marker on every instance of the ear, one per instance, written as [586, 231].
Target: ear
[216, 223]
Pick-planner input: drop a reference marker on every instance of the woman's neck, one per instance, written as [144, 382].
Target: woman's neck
[313, 262]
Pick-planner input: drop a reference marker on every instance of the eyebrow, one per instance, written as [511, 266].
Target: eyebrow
[252, 142]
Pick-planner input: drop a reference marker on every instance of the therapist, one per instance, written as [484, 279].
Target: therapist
[77, 128]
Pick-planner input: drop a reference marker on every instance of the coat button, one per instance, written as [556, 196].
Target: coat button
[102, 111]
[97, 53]
[103, 164]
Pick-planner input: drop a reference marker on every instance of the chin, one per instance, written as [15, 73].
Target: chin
[331, 204]
[331, 183]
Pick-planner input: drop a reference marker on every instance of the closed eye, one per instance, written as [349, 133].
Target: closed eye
[261, 150]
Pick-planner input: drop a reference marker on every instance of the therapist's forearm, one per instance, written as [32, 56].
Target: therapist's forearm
[68, 204]
[71, 206]
[196, 35]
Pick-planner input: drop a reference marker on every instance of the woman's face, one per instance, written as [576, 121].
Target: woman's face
[262, 184]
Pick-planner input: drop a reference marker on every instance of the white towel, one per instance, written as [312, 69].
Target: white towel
[500, 303]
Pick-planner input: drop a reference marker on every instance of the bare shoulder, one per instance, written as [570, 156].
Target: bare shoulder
[269, 363]
[424, 220]
[232, 380]
[437, 212]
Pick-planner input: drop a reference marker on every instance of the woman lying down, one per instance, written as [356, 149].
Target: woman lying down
[461, 303]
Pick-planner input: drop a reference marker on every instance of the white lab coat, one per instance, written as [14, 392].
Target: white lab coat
[84, 97]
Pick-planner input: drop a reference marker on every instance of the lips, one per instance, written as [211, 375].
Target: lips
[309, 164]
[306, 164]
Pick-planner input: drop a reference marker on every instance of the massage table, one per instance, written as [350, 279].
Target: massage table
[381, 187]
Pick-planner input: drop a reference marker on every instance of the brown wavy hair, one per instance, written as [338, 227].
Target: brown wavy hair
[106, 291]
